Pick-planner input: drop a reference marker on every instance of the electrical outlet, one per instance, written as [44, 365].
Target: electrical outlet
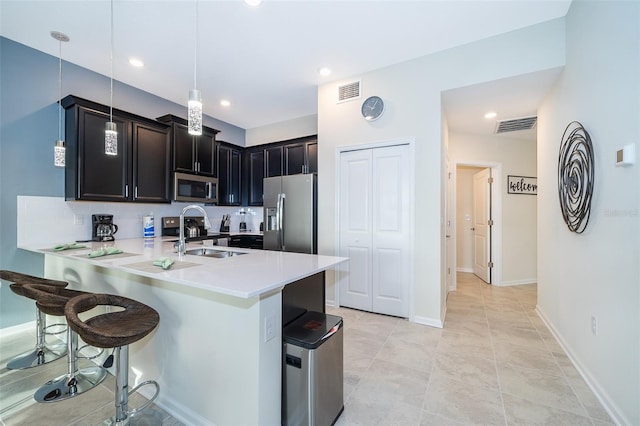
[594, 325]
[78, 219]
[269, 328]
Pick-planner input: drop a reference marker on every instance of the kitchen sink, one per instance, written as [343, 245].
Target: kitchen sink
[208, 252]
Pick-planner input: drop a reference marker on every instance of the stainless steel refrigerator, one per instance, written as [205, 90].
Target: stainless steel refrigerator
[291, 213]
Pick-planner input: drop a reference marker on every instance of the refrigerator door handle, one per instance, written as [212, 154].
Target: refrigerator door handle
[281, 210]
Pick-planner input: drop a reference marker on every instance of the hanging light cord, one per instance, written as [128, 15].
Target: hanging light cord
[111, 59]
[195, 51]
[60, 92]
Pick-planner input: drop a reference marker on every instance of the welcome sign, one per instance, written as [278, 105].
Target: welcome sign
[522, 185]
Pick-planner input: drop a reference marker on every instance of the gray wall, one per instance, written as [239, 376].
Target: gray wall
[28, 129]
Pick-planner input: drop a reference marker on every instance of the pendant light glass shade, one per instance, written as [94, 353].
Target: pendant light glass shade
[111, 131]
[194, 106]
[111, 139]
[59, 152]
[195, 112]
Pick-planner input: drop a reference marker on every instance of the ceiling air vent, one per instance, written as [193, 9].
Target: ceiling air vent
[349, 91]
[515, 124]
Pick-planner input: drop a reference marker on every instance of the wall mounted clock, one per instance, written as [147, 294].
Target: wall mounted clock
[372, 108]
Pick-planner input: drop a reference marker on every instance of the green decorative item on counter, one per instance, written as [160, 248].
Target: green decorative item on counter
[163, 262]
[69, 246]
[105, 252]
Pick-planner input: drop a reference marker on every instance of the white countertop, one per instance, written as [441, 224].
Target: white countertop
[255, 273]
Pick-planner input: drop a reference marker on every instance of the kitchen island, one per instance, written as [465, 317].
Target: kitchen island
[217, 352]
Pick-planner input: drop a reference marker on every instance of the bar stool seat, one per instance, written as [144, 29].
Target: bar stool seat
[42, 353]
[117, 330]
[52, 301]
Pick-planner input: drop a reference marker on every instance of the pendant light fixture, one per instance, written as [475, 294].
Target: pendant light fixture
[59, 151]
[195, 99]
[111, 131]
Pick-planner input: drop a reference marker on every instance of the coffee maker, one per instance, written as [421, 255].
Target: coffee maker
[103, 227]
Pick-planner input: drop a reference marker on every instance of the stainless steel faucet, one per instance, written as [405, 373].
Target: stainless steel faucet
[181, 244]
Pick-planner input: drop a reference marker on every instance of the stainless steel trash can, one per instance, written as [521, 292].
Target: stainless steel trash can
[313, 370]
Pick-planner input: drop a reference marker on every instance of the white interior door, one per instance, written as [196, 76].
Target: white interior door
[390, 238]
[374, 229]
[355, 228]
[482, 225]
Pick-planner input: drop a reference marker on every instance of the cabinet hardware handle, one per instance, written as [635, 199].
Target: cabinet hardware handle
[126, 191]
[135, 192]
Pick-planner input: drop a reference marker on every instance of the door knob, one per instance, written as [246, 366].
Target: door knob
[473, 229]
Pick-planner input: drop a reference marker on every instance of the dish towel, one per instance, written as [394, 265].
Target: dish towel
[163, 262]
[105, 252]
[61, 247]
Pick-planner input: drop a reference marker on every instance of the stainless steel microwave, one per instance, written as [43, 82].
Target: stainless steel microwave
[201, 189]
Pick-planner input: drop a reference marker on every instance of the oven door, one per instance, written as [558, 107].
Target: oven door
[200, 189]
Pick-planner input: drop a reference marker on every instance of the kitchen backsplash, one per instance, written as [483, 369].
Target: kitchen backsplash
[52, 220]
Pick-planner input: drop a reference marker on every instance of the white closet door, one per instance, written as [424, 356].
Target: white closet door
[390, 237]
[355, 228]
[374, 229]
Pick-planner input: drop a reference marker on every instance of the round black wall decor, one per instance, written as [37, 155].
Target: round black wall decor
[575, 176]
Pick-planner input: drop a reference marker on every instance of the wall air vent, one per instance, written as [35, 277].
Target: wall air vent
[349, 91]
[515, 124]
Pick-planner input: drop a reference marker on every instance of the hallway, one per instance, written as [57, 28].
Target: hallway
[495, 362]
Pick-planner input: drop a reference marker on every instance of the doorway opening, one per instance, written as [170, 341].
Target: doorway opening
[476, 249]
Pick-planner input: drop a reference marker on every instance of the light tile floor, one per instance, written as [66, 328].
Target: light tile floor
[495, 362]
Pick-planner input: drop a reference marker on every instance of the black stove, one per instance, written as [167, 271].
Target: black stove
[171, 228]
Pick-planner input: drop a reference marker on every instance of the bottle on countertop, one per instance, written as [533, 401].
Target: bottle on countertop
[148, 229]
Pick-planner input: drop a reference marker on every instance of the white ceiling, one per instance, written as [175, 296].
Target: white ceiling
[264, 60]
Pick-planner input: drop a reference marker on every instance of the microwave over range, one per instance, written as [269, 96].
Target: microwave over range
[201, 189]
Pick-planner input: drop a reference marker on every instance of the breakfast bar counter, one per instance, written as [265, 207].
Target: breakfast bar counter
[217, 352]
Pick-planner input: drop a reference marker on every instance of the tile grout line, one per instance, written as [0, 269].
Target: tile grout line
[495, 361]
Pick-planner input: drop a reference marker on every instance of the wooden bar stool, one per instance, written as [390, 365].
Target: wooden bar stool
[52, 300]
[117, 329]
[42, 353]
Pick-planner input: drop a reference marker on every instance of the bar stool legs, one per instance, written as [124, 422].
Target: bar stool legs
[42, 353]
[52, 300]
[137, 416]
[75, 381]
[118, 330]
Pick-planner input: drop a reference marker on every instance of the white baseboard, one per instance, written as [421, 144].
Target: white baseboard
[469, 270]
[517, 282]
[431, 322]
[177, 411]
[20, 328]
[609, 405]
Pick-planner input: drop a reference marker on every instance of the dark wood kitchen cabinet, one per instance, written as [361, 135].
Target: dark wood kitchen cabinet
[229, 174]
[246, 241]
[255, 173]
[191, 154]
[140, 170]
[273, 161]
[301, 156]
[277, 159]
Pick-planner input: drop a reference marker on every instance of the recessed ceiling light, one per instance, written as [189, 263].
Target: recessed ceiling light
[136, 62]
[324, 71]
[253, 2]
[491, 114]
[225, 103]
